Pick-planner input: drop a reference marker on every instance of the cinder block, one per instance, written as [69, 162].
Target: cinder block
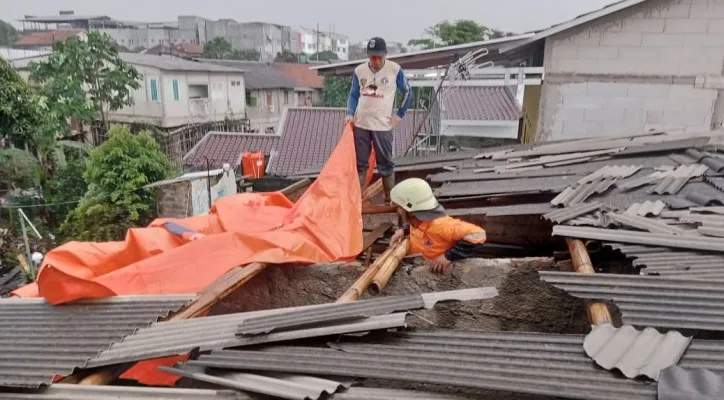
[686, 25]
[621, 128]
[564, 52]
[684, 118]
[624, 102]
[655, 67]
[634, 116]
[637, 53]
[581, 129]
[586, 38]
[716, 26]
[644, 25]
[662, 39]
[673, 10]
[603, 115]
[621, 38]
[585, 102]
[679, 53]
[710, 11]
[702, 66]
[648, 90]
[570, 114]
[607, 89]
[703, 40]
[654, 116]
[597, 52]
[689, 92]
[573, 89]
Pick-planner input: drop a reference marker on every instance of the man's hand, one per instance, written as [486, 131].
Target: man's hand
[348, 119]
[395, 119]
[397, 236]
[440, 265]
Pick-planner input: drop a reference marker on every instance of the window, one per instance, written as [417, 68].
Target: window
[154, 90]
[286, 97]
[175, 90]
[198, 92]
[269, 98]
[250, 100]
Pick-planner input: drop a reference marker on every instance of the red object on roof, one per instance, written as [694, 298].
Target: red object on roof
[253, 165]
[46, 38]
[301, 74]
[225, 147]
[481, 103]
[192, 49]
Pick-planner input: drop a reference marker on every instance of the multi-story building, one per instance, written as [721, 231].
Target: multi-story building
[312, 41]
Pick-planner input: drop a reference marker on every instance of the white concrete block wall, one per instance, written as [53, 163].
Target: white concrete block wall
[659, 37]
[571, 110]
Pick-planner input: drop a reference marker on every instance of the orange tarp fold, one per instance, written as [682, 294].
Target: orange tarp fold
[324, 225]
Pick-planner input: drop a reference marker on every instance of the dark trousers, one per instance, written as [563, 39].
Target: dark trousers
[382, 142]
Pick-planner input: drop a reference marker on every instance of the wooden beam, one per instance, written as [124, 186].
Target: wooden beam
[598, 312]
[375, 209]
[372, 190]
[296, 189]
[372, 237]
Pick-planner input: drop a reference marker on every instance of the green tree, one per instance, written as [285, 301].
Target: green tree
[287, 56]
[463, 31]
[8, 34]
[86, 79]
[335, 90]
[325, 56]
[247, 55]
[218, 49]
[117, 172]
[18, 170]
[66, 187]
[21, 111]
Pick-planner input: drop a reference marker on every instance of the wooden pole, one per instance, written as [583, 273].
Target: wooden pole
[372, 190]
[399, 251]
[375, 209]
[294, 188]
[597, 311]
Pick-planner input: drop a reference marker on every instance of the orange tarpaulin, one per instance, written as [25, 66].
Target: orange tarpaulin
[324, 225]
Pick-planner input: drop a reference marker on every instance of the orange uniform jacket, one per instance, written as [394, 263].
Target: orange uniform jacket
[434, 238]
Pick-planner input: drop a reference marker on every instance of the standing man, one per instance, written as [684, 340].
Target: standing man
[370, 104]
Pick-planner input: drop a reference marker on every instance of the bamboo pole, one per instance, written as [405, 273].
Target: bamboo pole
[376, 209]
[372, 190]
[383, 275]
[390, 255]
[598, 312]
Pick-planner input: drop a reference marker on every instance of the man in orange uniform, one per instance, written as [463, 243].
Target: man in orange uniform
[440, 238]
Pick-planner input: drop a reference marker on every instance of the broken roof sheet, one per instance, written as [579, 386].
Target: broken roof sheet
[676, 383]
[218, 332]
[61, 391]
[564, 214]
[690, 242]
[665, 261]
[39, 340]
[366, 393]
[553, 365]
[648, 301]
[634, 352]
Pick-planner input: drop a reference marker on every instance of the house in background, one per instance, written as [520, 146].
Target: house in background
[184, 50]
[309, 84]
[631, 67]
[44, 40]
[306, 139]
[479, 116]
[268, 93]
[176, 92]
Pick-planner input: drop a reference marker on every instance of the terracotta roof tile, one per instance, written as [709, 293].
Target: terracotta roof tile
[307, 139]
[483, 103]
[301, 74]
[46, 38]
[224, 147]
[192, 48]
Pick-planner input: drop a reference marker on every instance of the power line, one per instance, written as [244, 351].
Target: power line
[60, 203]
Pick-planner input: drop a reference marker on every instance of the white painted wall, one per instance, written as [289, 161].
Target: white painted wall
[224, 98]
[486, 129]
[636, 71]
[264, 115]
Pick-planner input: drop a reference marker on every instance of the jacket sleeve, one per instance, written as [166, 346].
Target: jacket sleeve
[353, 98]
[406, 91]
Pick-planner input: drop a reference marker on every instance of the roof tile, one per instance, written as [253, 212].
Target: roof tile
[482, 103]
[301, 74]
[223, 147]
[46, 38]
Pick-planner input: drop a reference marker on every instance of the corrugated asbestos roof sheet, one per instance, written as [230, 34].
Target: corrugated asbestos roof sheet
[39, 340]
[543, 364]
[648, 301]
[480, 103]
[218, 332]
[364, 393]
[666, 262]
[507, 186]
[646, 208]
[634, 352]
[329, 313]
[678, 383]
[567, 213]
[500, 211]
[61, 391]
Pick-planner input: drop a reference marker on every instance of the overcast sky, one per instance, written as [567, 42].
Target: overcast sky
[395, 20]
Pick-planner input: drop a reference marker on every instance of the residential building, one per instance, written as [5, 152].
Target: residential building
[44, 40]
[633, 66]
[312, 41]
[358, 51]
[176, 92]
[309, 83]
[269, 39]
[306, 139]
[481, 112]
[269, 91]
[180, 50]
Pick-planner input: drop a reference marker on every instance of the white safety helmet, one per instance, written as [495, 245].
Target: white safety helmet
[414, 195]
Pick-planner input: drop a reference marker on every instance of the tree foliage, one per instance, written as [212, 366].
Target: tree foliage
[18, 170]
[286, 56]
[21, 111]
[324, 56]
[462, 31]
[8, 34]
[117, 172]
[335, 90]
[65, 188]
[86, 79]
[220, 49]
